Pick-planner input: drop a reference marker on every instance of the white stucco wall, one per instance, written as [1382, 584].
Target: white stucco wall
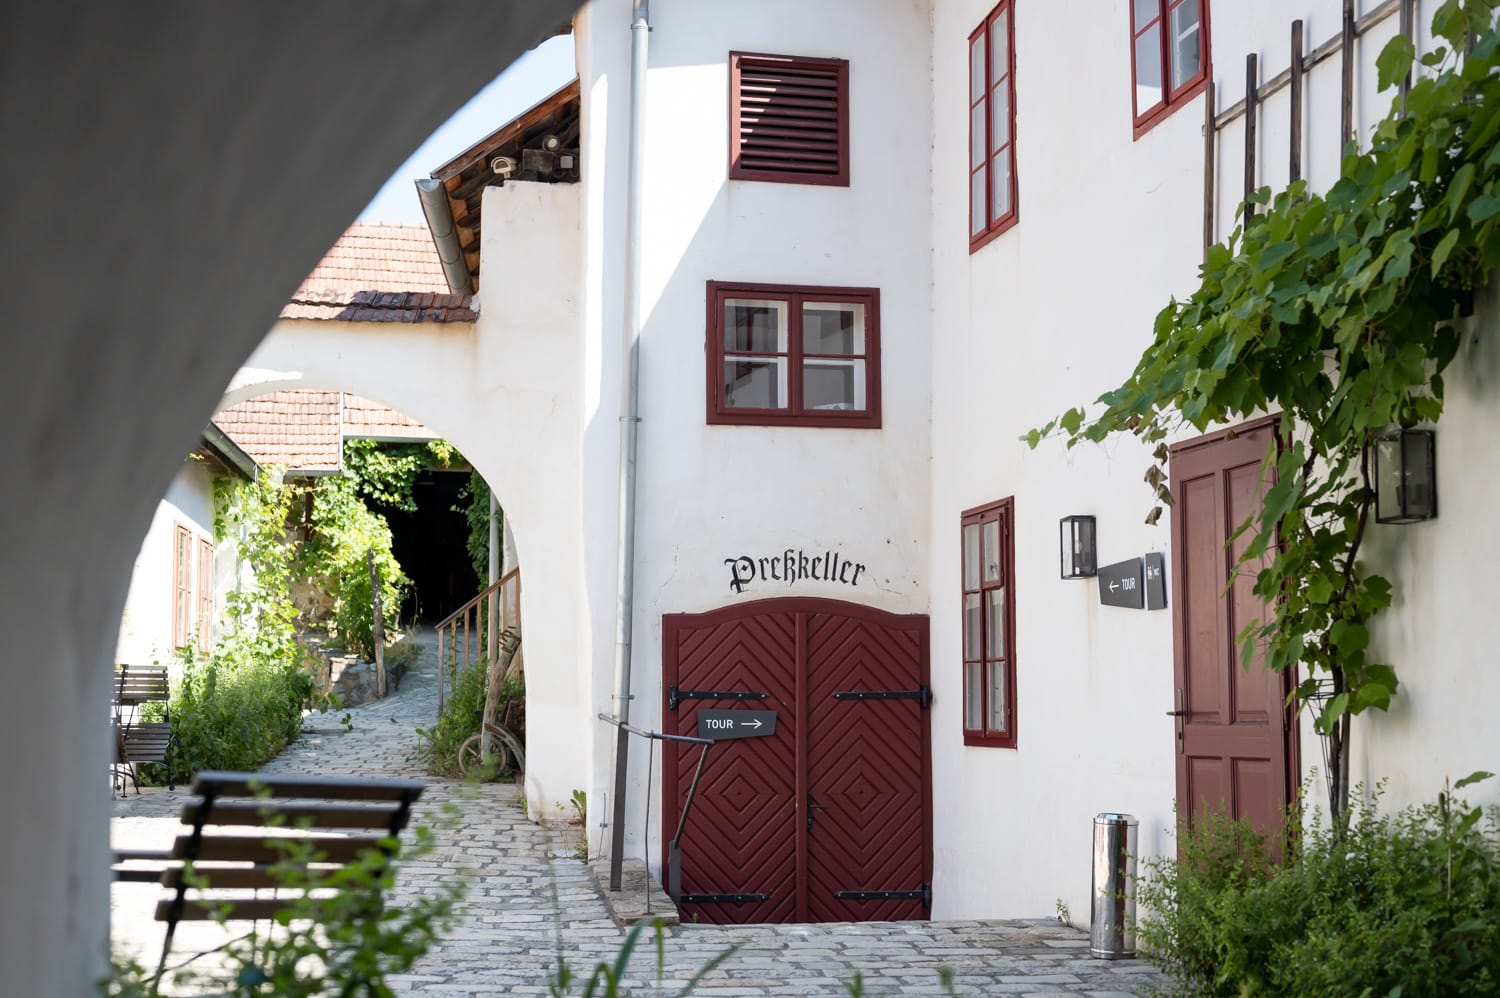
[146, 626]
[1057, 310]
[707, 493]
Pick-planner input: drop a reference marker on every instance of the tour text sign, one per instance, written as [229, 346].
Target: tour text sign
[1120, 585]
[722, 724]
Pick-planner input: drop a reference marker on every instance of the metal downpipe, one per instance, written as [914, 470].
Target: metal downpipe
[640, 28]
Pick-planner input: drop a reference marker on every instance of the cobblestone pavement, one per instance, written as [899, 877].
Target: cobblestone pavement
[531, 902]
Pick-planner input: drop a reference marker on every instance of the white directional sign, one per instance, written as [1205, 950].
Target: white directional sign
[722, 724]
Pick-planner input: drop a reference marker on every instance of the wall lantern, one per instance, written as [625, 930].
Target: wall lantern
[1405, 476]
[1080, 559]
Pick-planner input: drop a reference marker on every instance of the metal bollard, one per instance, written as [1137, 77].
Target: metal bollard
[1112, 927]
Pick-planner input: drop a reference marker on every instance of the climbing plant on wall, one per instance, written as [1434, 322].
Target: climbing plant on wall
[1337, 311]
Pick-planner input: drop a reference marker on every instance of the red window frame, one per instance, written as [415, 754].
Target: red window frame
[997, 80]
[793, 414]
[1172, 97]
[981, 657]
[205, 594]
[182, 586]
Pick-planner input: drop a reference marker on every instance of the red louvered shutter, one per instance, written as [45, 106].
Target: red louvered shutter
[788, 119]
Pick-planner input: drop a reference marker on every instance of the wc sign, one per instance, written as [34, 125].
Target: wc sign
[723, 724]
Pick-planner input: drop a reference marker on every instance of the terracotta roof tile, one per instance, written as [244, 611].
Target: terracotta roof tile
[298, 429]
[380, 272]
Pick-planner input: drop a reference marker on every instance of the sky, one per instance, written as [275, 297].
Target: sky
[530, 78]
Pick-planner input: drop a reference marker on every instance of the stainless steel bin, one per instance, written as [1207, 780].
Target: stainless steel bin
[1112, 927]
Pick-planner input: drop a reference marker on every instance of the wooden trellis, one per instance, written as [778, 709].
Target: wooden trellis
[1294, 76]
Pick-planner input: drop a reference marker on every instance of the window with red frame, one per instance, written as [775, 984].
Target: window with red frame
[205, 595]
[992, 127]
[989, 625]
[1168, 56]
[800, 356]
[182, 586]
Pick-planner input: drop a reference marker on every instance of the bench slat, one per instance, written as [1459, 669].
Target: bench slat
[315, 787]
[379, 815]
[259, 849]
[241, 909]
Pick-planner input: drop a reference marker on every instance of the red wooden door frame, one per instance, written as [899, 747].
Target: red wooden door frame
[800, 609]
[1215, 453]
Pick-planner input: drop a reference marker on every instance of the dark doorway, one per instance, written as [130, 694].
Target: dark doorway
[431, 543]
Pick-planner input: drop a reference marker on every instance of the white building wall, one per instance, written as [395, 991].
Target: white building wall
[1057, 310]
[707, 493]
[146, 626]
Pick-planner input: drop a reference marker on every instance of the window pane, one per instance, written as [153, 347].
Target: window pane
[754, 326]
[1185, 35]
[1000, 116]
[1148, 70]
[829, 327]
[971, 558]
[994, 619]
[976, 69]
[996, 720]
[972, 641]
[755, 383]
[976, 135]
[1001, 173]
[992, 551]
[833, 384]
[1000, 46]
[977, 203]
[1145, 10]
[973, 690]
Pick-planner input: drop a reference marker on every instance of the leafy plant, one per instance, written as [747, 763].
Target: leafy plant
[1335, 310]
[1398, 904]
[608, 978]
[477, 513]
[461, 718]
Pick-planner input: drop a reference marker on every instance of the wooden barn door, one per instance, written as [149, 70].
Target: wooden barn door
[1234, 743]
[829, 819]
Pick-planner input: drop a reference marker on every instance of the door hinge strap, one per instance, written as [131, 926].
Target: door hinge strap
[924, 895]
[722, 898]
[676, 696]
[921, 694]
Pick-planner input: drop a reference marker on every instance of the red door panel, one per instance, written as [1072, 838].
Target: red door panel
[867, 769]
[862, 763]
[1234, 754]
[741, 833]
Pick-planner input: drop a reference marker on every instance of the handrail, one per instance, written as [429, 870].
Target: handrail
[497, 607]
[674, 848]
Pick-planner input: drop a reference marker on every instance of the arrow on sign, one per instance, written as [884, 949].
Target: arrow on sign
[751, 724]
[1113, 585]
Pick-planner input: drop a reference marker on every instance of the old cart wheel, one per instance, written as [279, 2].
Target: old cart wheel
[468, 756]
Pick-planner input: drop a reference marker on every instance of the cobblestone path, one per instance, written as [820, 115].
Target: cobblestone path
[530, 901]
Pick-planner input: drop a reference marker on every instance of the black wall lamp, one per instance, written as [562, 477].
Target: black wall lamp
[1405, 476]
[1080, 558]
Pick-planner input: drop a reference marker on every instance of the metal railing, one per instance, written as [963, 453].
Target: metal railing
[481, 620]
[674, 848]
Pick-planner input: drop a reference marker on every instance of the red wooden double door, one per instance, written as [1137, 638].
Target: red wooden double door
[830, 818]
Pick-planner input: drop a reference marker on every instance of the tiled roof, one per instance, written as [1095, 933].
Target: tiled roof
[364, 418]
[380, 272]
[304, 430]
[384, 256]
[297, 429]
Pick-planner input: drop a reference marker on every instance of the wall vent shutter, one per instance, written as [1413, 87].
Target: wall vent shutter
[788, 119]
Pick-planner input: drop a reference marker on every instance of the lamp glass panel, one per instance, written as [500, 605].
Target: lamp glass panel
[1388, 477]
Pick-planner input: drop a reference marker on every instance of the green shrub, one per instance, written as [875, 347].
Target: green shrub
[461, 718]
[236, 712]
[336, 555]
[1398, 904]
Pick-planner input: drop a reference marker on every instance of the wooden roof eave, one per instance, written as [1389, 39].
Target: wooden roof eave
[479, 153]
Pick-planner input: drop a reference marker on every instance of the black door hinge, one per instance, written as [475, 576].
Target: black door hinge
[924, 895]
[676, 696]
[921, 694]
[722, 898]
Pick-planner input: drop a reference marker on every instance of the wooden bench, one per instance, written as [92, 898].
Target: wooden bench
[218, 870]
[137, 740]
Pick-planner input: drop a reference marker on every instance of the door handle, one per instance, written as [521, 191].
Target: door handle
[1179, 713]
[812, 806]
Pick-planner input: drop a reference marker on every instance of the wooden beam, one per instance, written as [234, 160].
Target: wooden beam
[1210, 142]
[1252, 104]
[1294, 164]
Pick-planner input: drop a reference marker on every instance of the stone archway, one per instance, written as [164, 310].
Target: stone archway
[173, 191]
